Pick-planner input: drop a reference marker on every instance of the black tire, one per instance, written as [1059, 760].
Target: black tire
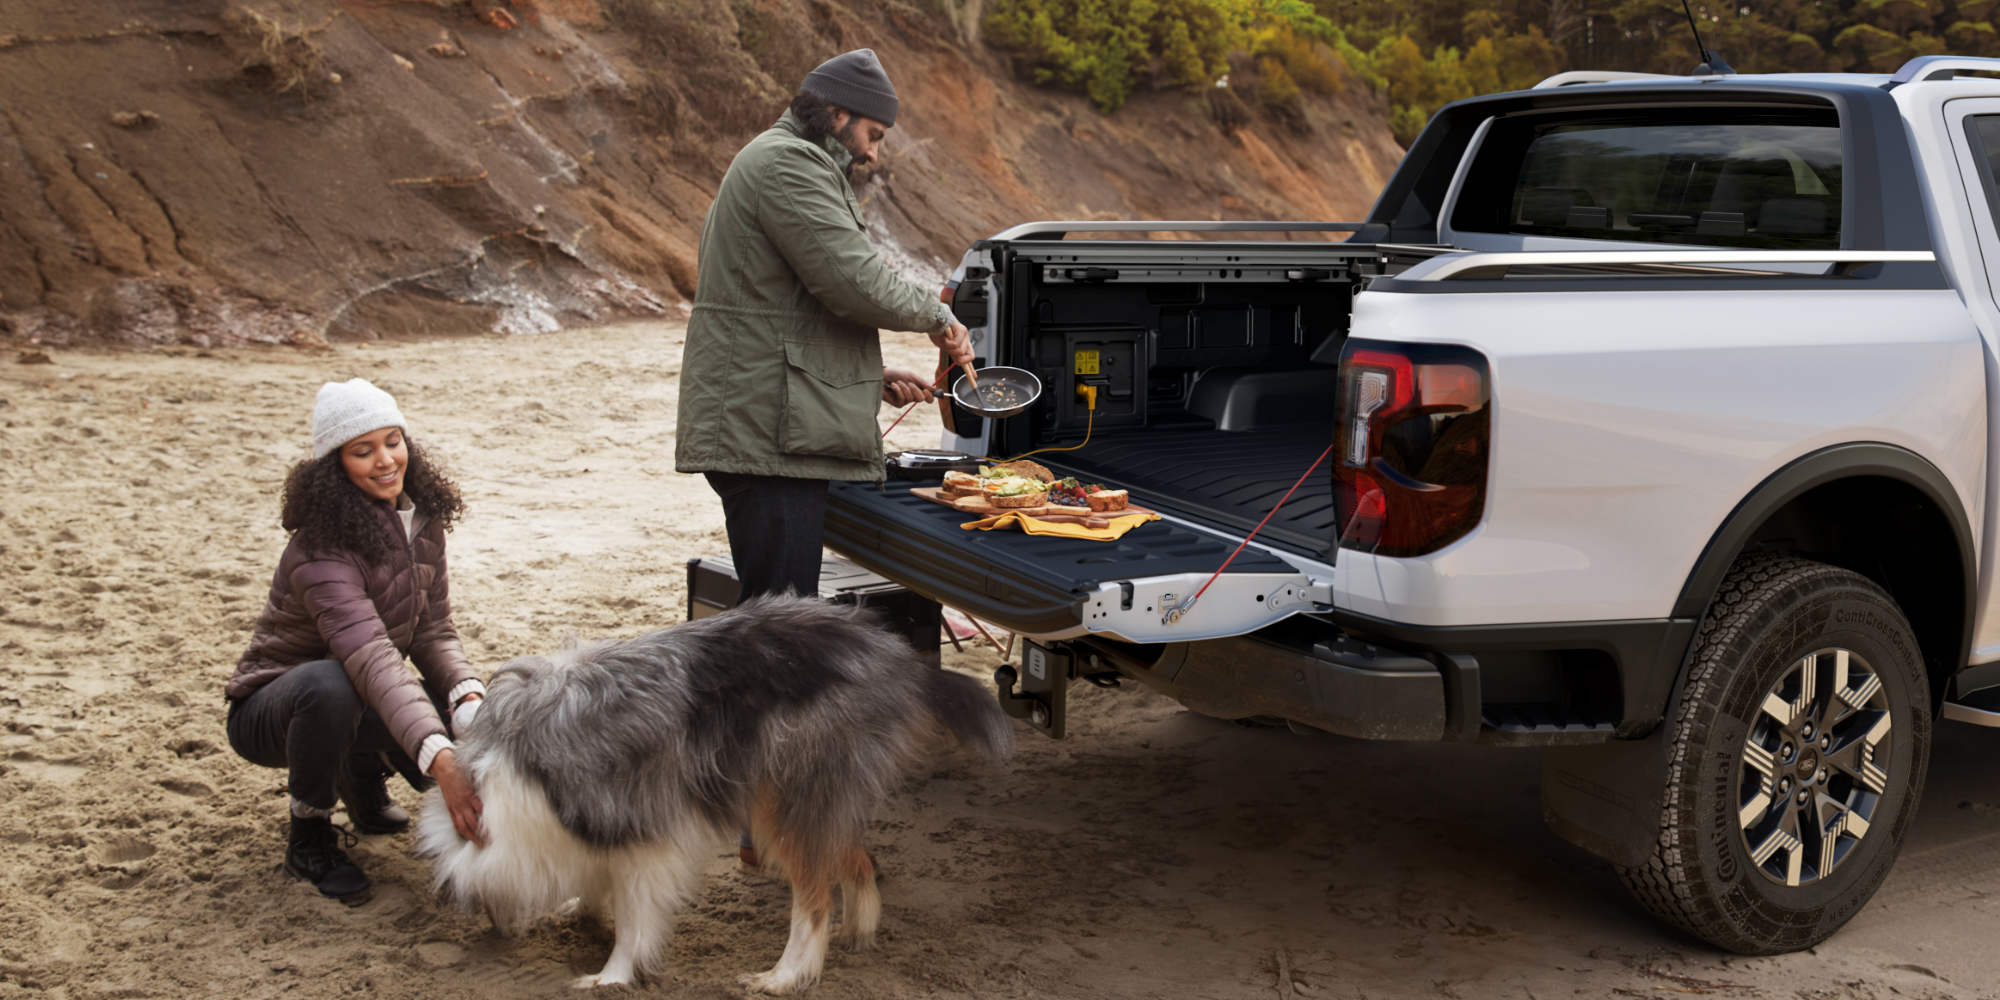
[1782, 627]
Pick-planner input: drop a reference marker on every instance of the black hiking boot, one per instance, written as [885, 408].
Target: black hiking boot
[315, 855]
[362, 790]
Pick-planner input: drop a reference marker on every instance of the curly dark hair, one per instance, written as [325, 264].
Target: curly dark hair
[325, 510]
[815, 115]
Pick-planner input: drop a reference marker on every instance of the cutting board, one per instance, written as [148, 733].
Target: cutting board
[1046, 512]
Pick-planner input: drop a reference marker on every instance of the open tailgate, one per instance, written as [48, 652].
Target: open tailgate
[1036, 585]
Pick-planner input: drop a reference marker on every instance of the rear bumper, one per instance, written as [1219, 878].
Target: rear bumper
[1340, 685]
[1545, 685]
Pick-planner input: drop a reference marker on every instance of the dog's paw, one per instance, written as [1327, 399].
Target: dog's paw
[772, 982]
[597, 979]
[854, 940]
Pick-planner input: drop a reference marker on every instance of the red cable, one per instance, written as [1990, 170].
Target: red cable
[1260, 525]
[935, 390]
[900, 416]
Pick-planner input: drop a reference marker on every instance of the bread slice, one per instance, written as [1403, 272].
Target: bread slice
[1108, 500]
[1020, 500]
[1029, 470]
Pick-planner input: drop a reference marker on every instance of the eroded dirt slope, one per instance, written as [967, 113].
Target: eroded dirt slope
[226, 171]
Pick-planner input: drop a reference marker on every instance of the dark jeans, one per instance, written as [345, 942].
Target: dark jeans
[312, 721]
[775, 524]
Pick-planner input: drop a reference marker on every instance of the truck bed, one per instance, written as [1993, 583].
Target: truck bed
[1227, 479]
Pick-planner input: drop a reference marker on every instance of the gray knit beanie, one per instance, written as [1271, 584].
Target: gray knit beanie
[855, 81]
[346, 410]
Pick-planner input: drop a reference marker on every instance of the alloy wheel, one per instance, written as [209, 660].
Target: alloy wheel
[1814, 766]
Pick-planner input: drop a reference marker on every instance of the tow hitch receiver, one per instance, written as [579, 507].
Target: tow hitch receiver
[1044, 696]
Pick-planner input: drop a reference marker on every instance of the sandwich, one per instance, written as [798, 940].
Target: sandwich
[962, 484]
[1026, 470]
[1016, 500]
[1015, 491]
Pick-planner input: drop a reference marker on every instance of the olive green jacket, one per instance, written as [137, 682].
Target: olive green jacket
[782, 375]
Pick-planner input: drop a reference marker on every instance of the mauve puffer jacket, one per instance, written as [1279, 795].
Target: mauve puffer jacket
[334, 605]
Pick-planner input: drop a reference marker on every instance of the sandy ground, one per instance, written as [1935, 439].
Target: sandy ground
[1153, 854]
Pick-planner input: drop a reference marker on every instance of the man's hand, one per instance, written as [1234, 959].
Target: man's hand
[902, 388]
[956, 342]
[459, 797]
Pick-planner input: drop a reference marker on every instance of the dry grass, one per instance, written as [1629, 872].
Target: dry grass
[281, 46]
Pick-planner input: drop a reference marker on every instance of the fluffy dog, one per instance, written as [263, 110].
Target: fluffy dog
[611, 772]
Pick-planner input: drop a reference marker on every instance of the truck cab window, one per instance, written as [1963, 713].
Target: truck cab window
[1984, 133]
[1766, 179]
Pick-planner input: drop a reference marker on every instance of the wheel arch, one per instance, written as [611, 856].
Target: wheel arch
[1588, 795]
[1880, 510]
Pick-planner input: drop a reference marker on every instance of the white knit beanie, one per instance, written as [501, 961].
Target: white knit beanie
[346, 410]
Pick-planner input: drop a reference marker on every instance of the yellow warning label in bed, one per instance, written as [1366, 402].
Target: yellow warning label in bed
[1086, 362]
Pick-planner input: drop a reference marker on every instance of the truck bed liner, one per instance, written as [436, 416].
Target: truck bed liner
[1229, 479]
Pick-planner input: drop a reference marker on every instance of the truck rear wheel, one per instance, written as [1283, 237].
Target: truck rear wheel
[1797, 754]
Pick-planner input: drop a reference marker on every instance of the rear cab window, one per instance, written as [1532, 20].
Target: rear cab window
[1767, 178]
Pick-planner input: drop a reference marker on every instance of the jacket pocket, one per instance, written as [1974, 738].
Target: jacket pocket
[831, 392]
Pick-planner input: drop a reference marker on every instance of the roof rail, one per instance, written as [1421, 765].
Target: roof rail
[1597, 76]
[1495, 264]
[1941, 68]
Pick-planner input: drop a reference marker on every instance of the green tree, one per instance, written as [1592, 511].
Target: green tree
[1866, 47]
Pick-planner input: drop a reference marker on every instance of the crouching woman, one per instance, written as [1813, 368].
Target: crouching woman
[323, 689]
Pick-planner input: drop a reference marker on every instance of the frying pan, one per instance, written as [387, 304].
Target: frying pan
[1001, 392]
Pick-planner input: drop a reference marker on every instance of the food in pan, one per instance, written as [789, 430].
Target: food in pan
[999, 395]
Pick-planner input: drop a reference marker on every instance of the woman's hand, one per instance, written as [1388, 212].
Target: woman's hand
[902, 388]
[462, 715]
[459, 796]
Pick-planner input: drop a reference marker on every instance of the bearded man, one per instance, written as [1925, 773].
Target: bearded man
[783, 371]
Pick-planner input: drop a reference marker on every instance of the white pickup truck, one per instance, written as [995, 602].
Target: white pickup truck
[1654, 419]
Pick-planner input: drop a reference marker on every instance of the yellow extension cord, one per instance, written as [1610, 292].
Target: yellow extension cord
[1089, 394]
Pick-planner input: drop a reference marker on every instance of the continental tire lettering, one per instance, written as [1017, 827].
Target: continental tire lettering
[1850, 616]
[1720, 831]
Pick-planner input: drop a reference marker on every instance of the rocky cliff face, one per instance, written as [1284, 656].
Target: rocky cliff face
[293, 171]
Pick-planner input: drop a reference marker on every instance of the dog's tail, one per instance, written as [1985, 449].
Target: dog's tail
[969, 711]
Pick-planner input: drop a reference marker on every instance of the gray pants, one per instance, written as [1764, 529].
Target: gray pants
[312, 721]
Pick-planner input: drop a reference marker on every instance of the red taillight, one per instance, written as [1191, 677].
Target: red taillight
[1410, 469]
